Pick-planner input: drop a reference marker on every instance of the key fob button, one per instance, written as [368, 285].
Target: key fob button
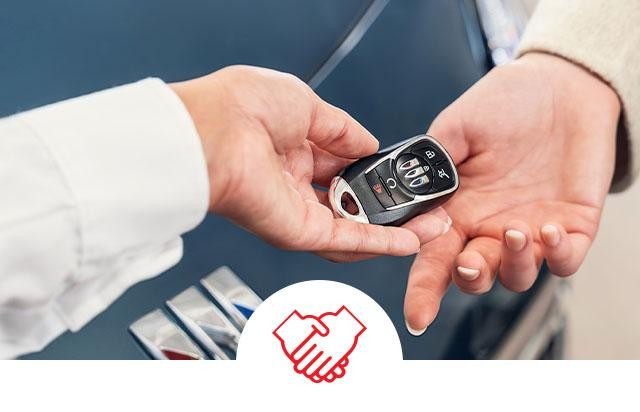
[419, 182]
[416, 179]
[378, 189]
[408, 164]
[443, 177]
[429, 152]
[418, 171]
[390, 180]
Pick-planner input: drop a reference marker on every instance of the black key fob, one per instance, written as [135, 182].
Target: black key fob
[395, 184]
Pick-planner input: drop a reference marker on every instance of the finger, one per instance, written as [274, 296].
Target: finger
[326, 165]
[306, 191]
[320, 365]
[518, 269]
[427, 227]
[564, 252]
[340, 368]
[330, 377]
[343, 257]
[447, 129]
[330, 367]
[338, 371]
[318, 361]
[317, 230]
[299, 162]
[322, 232]
[304, 349]
[476, 266]
[323, 197]
[310, 356]
[333, 130]
[366, 238]
[429, 279]
[318, 325]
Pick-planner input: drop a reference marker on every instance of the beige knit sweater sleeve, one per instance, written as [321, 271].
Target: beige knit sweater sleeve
[604, 37]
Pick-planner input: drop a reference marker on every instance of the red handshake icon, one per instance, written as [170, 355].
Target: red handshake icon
[319, 346]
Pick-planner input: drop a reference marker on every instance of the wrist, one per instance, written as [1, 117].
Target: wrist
[571, 81]
[289, 329]
[206, 100]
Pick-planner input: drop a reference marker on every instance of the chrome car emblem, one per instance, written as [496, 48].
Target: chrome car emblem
[205, 322]
[235, 297]
[215, 331]
[162, 339]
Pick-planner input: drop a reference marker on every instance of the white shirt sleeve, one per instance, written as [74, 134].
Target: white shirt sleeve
[95, 193]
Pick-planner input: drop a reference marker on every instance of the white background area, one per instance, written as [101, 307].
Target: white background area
[405, 386]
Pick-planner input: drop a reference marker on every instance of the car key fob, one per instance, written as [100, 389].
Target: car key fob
[395, 184]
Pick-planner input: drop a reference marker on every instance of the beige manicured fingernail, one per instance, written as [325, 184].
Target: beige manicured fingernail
[414, 332]
[515, 240]
[468, 273]
[550, 235]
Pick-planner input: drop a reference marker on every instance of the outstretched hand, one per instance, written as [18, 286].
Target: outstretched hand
[534, 142]
[268, 139]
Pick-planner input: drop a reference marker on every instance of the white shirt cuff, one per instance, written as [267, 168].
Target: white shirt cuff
[133, 165]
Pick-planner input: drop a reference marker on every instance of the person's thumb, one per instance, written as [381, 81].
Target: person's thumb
[447, 129]
[333, 130]
[318, 325]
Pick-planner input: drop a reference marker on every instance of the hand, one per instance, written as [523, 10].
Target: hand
[267, 138]
[320, 356]
[295, 330]
[534, 141]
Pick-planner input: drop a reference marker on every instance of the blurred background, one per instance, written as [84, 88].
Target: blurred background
[393, 65]
[603, 304]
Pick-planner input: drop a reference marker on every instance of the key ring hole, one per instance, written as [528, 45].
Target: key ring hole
[348, 204]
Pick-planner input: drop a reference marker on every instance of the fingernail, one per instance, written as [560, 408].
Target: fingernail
[442, 215]
[468, 273]
[414, 332]
[550, 235]
[515, 240]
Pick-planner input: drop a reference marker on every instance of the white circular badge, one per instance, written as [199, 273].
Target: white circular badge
[319, 332]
